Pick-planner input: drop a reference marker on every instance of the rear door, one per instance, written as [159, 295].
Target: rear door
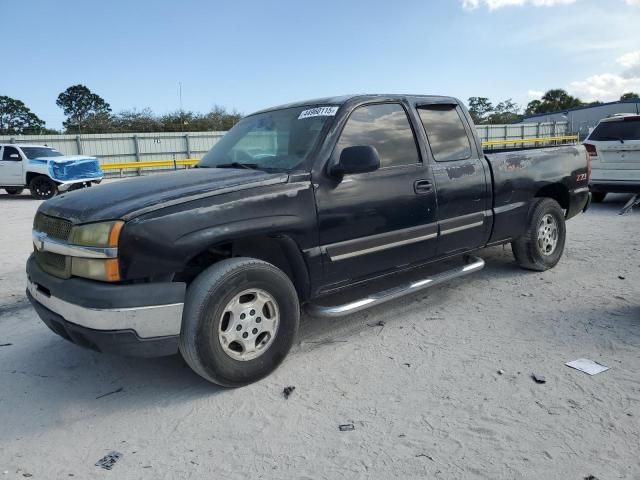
[373, 222]
[461, 179]
[10, 166]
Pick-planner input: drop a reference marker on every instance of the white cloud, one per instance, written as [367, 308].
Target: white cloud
[610, 86]
[535, 94]
[496, 4]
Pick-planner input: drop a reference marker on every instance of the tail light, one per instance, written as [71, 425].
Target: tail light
[591, 152]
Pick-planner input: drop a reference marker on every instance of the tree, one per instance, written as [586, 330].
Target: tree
[479, 108]
[218, 119]
[136, 121]
[629, 96]
[79, 104]
[533, 107]
[554, 100]
[17, 119]
[505, 112]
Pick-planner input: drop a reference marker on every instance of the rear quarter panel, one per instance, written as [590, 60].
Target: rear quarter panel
[520, 176]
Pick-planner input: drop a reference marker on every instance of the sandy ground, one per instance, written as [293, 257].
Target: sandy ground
[423, 391]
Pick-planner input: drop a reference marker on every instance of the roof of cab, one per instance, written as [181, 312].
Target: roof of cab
[342, 99]
[24, 145]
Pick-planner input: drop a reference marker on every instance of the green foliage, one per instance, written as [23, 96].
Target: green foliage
[630, 96]
[86, 111]
[554, 100]
[483, 111]
[17, 119]
[479, 109]
[505, 112]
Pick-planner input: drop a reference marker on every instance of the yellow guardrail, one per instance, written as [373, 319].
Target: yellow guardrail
[189, 162]
[515, 141]
[149, 164]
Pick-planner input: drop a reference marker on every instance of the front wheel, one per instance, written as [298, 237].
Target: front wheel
[240, 319]
[42, 187]
[14, 190]
[542, 245]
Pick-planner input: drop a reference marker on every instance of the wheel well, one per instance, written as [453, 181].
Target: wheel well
[558, 192]
[32, 175]
[280, 251]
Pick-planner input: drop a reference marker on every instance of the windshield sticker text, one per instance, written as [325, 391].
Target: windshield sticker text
[318, 112]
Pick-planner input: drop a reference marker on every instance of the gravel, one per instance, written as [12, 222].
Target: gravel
[465, 408]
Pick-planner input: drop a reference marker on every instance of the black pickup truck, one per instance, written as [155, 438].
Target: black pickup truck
[293, 206]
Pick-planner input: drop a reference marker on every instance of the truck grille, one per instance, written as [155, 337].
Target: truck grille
[57, 228]
[53, 263]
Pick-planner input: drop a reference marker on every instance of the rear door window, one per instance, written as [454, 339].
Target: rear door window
[627, 129]
[8, 151]
[446, 133]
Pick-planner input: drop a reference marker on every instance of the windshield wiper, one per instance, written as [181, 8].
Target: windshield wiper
[249, 166]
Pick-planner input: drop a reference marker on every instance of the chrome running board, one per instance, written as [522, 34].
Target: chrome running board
[472, 264]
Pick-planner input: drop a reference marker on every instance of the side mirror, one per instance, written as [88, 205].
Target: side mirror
[14, 156]
[357, 159]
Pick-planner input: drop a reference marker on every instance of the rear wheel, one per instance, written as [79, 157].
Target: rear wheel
[14, 190]
[598, 197]
[542, 245]
[42, 187]
[240, 320]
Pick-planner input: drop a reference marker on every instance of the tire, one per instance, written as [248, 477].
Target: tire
[534, 253]
[598, 197]
[14, 190]
[42, 187]
[209, 329]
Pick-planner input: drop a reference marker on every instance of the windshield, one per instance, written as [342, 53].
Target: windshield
[278, 140]
[39, 152]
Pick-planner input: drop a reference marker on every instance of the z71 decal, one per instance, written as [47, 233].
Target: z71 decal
[581, 177]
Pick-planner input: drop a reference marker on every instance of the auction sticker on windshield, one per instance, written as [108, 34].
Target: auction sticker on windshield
[318, 112]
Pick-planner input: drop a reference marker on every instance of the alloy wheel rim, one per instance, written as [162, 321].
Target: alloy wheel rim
[547, 234]
[249, 324]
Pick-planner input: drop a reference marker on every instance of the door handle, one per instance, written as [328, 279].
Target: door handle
[422, 186]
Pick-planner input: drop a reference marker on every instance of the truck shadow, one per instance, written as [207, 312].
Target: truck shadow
[430, 302]
[17, 198]
[612, 203]
[44, 380]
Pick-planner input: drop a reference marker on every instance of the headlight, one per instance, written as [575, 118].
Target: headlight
[97, 235]
[104, 234]
[96, 269]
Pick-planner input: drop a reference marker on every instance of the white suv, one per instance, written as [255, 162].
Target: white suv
[614, 148]
[44, 170]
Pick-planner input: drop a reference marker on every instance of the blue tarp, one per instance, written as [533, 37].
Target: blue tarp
[75, 170]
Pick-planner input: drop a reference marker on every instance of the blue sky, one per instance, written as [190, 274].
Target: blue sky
[252, 54]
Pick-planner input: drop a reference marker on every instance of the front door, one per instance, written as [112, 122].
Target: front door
[373, 222]
[10, 166]
[464, 198]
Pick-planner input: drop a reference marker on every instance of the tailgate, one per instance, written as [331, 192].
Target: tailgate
[618, 155]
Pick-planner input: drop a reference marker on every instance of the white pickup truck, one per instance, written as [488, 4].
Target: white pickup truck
[44, 170]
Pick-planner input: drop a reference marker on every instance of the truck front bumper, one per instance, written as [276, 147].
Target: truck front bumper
[135, 320]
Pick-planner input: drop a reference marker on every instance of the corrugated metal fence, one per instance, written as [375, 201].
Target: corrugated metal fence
[140, 147]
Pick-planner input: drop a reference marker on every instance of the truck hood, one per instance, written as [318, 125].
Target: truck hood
[125, 199]
[65, 158]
